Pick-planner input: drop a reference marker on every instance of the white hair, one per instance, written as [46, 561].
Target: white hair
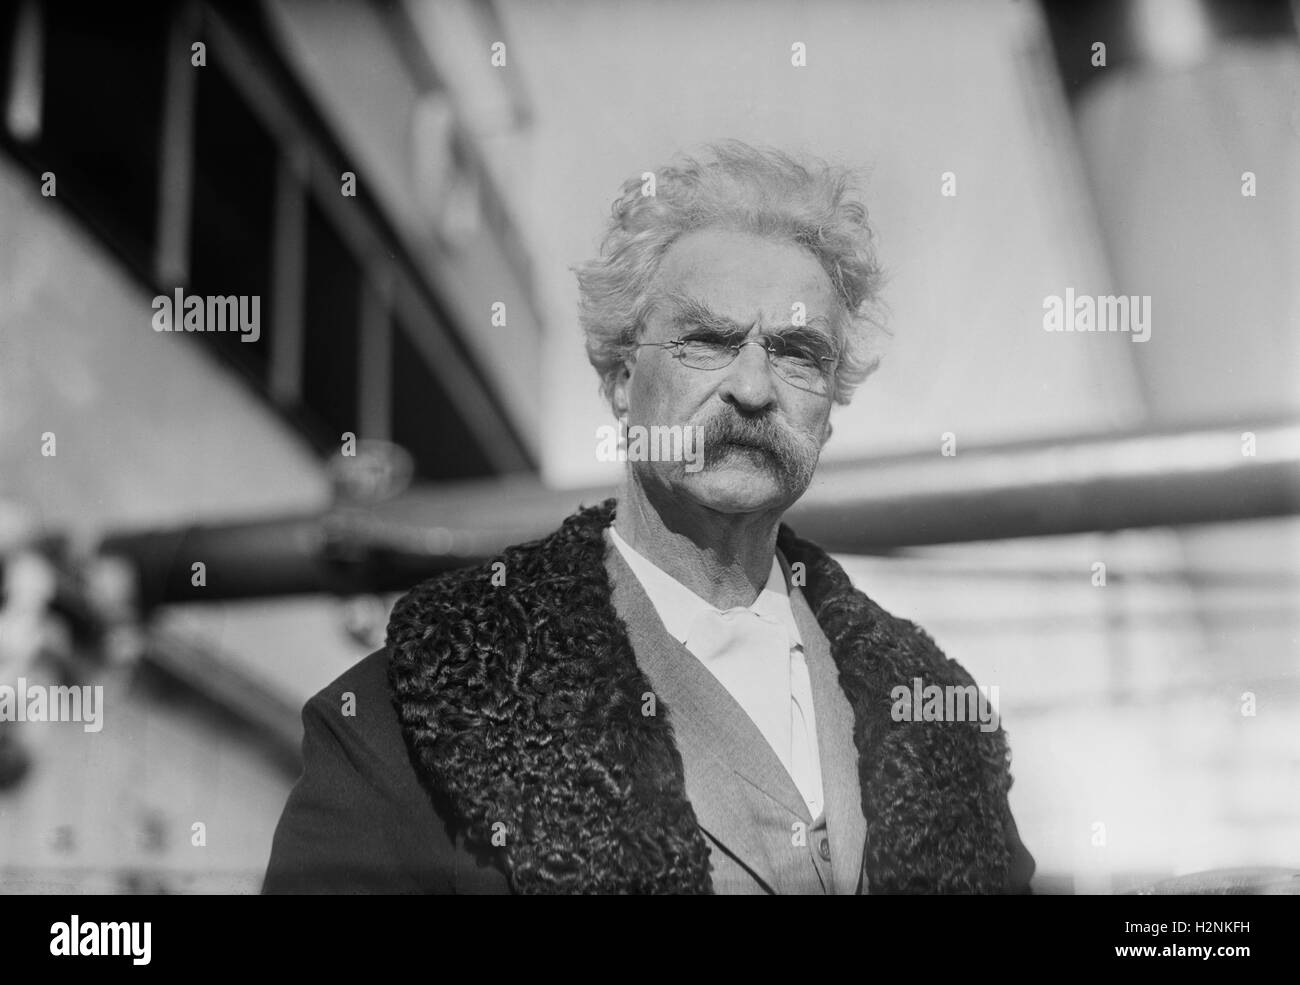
[736, 186]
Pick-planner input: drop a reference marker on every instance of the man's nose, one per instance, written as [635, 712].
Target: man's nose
[749, 383]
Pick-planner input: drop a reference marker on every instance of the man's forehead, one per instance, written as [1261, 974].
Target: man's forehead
[744, 278]
[685, 308]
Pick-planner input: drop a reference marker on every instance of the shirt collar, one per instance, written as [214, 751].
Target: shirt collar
[678, 607]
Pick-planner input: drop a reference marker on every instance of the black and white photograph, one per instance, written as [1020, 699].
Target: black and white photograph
[731, 447]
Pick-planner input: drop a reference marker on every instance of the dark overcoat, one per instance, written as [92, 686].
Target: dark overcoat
[498, 743]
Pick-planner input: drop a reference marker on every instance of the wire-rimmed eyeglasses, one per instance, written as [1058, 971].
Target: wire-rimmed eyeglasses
[806, 361]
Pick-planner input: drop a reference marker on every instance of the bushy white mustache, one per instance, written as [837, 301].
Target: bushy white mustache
[795, 458]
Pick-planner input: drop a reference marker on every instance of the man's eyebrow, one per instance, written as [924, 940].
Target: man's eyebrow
[687, 310]
[809, 326]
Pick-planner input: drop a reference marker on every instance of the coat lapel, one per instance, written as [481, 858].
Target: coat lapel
[522, 704]
[731, 772]
[846, 826]
[934, 793]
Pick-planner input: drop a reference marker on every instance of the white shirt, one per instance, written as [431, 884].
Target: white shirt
[756, 653]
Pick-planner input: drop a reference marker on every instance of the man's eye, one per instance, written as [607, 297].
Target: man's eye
[708, 341]
[813, 348]
[811, 351]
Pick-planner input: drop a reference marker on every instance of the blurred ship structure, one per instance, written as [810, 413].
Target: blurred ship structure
[306, 154]
[222, 526]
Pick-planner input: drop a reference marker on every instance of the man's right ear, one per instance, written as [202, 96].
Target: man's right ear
[618, 393]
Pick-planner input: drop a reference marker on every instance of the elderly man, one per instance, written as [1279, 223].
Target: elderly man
[672, 692]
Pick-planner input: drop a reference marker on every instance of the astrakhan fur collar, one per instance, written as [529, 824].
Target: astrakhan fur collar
[522, 704]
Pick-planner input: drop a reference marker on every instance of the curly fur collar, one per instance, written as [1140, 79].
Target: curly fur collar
[522, 704]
